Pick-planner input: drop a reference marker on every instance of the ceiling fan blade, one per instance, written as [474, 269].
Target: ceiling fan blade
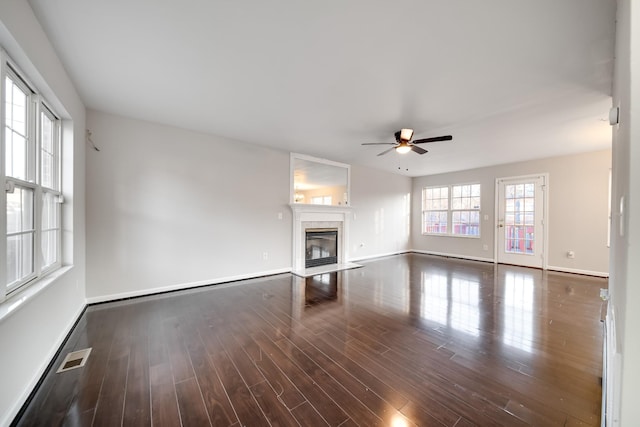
[378, 143]
[386, 151]
[434, 139]
[418, 150]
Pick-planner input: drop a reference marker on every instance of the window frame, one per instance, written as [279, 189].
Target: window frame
[469, 210]
[37, 108]
[439, 211]
[56, 191]
[450, 210]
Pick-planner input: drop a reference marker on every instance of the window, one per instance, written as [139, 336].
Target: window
[30, 147]
[451, 210]
[435, 208]
[321, 200]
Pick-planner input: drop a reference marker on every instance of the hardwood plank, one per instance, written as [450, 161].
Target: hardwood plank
[272, 407]
[180, 362]
[436, 408]
[496, 415]
[309, 381]
[92, 374]
[371, 380]
[137, 401]
[244, 404]
[191, 404]
[109, 409]
[164, 404]
[463, 422]
[246, 367]
[215, 397]
[306, 415]
[533, 417]
[286, 390]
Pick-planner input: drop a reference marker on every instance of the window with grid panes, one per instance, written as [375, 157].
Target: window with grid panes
[451, 210]
[31, 161]
[435, 210]
[465, 210]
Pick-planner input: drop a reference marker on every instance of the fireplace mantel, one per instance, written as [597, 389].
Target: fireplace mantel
[319, 216]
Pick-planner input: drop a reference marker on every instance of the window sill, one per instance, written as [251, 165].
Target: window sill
[14, 302]
[451, 235]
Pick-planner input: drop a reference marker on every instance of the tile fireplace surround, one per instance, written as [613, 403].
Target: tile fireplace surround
[317, 216]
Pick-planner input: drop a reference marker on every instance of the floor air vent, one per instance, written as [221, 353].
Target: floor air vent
[76, 359]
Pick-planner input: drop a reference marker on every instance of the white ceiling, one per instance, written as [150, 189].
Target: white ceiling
[510, 80]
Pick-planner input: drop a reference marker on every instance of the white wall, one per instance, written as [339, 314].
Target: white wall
[578, 210]
[169, 208]
[172, 208]
[382, 213]
[32, 333]
[624, 371]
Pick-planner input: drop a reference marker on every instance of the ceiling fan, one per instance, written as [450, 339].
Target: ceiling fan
[404, 144]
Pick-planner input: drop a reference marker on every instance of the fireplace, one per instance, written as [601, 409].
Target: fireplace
[316, 217]
[321, 246]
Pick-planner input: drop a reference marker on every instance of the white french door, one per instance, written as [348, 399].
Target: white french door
[520, 234]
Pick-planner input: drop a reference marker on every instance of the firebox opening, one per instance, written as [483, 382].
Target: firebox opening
[321, 247]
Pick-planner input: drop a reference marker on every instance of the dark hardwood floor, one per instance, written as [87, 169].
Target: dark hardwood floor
[409, 340]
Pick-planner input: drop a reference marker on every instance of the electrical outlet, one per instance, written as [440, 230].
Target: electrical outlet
[485, 247]
[265, 256]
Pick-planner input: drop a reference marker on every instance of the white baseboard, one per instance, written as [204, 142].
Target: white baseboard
[357, 259]
[37, 374]
[180, 286]
[578, 271]
[550, 267]
[458, 256]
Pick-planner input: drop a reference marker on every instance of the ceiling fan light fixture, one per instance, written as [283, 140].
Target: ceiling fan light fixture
[406, 134]
[403, 148]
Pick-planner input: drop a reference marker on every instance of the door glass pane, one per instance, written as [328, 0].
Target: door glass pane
[519, 218]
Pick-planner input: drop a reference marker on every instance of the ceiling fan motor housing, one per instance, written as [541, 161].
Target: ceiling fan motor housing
[404, 135]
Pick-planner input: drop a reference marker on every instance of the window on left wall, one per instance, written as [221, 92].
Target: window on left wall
[30, 169]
